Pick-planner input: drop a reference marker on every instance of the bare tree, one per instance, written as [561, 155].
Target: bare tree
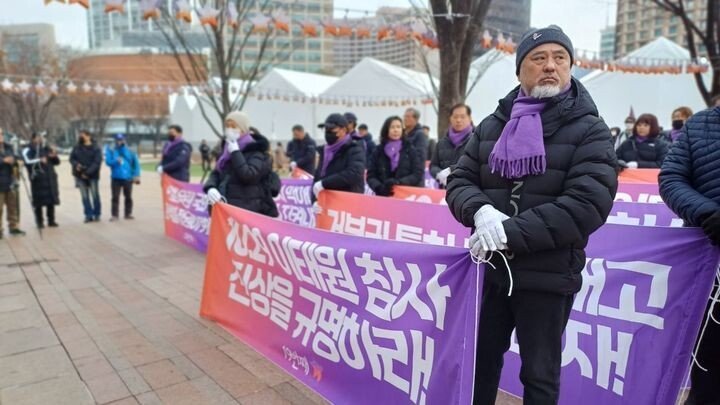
[709, 37]
[458, 24]
[28, 103]
[237, 49]
[150, 113]
[93, 111]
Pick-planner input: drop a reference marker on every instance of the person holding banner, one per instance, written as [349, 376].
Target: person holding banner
[645, 149]
[536, 179]
[301, 150]
[176, 155]
[451, 147]
[689, 186]
[243, 173]
[395, 162]
[342, 160]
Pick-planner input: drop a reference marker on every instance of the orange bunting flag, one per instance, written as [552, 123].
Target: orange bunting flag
[209, 16]
[183, 11]
[418, 30]
[309, 29]
[84, 3]
[362, 32]
[115, 5]
[281, 20]
[509, 45]
[500, 42]
[401, 32]
[344, 31]
[260, 24]
[149, 9]
[330, 28]
[487, 40]
[382, 33]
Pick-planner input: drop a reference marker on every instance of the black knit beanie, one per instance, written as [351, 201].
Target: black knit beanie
[536, 37]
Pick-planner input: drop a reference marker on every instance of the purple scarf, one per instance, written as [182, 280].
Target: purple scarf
[675, 134]
[169, 145]
[330, 150]
[392, 151]
[457, 138]
[641, 139]
[242, 142]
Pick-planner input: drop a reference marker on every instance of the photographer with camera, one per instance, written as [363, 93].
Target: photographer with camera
[86, 160]
[40, 161]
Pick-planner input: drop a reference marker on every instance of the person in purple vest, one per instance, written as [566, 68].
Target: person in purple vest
[536, 179]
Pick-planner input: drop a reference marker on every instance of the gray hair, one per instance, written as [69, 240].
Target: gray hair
[415, 112]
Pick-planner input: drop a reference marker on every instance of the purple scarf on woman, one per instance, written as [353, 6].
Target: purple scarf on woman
[330, 150]
[392, 151]
[675, 134]
[457, 138]
[170, 144]
[520, 150]
[242, 142]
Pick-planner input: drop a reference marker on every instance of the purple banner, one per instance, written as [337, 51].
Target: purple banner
[355, 319]
[634, 323]
[638, 193]
[624, 213]
[186, 213]
[294, 203]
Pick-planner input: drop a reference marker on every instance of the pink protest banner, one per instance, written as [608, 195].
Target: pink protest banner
[418, 194]
[643, 193]
[186, 213]
[639, 176]
[390, 219]
[354, 319]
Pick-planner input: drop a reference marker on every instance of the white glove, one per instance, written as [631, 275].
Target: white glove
[233, 146]
[293, 165]
[317, 188]
[232, 135]
[443, 176]
[214, 196]
[632, 165]
[160, 169]
[316, 208]
[489, 231]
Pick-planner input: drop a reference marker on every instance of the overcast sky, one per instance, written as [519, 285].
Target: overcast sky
[582, 20]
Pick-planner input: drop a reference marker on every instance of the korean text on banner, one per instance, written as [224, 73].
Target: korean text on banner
[294, 203]
[626, 213]
[634, 322]
[186, 213]
[390, 219]
[349, 317]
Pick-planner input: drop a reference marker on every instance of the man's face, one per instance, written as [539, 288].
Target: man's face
[298, 134]
[409, 120]
[545, 70]
[362, 132]
[172, 132]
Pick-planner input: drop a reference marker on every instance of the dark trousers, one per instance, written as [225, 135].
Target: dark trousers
[124, 186]
[206, 164]
[50, 209]
[539, 319]
[90, 198]
[705, 385]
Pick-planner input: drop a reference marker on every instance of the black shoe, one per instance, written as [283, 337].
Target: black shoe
[53, 224]
[41, 226]
[129, 217]
[17, 232]
[88, 220]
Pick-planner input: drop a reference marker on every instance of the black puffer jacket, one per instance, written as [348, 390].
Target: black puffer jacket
[43, 179]
[176, 161]
[346, 172]
[7, 177]
[90, 159]
[446, 155]
[244, 179]
[419, 140]
[648, 155]
[408, 173]
[553, 214]
[302, 152]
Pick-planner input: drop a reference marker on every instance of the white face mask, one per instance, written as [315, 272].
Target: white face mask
[629, 127]
[232, 132]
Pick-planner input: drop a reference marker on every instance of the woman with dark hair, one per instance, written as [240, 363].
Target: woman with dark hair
[645, 149]
[395, 162]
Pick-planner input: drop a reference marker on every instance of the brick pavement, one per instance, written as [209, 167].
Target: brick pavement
[108, 313]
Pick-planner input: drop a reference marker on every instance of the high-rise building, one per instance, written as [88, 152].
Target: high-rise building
[607, 43]
[295, 51]
[511, 17]
[640, 21]
[25, 40]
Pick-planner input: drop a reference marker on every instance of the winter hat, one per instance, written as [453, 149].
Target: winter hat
[534, 38]
[241, 120]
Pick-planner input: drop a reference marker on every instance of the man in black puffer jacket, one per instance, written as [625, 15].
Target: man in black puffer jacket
[450, 147]
[176, 155]
[690, 186]
[415, 133]
[86, 160]
[534, 195]
[302, 150]
[342, 160]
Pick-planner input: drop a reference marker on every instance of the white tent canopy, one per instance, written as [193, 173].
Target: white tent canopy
[497, 78]
[284, 81]
[615, 92]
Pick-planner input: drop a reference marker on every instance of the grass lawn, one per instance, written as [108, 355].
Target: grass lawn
[195, 168]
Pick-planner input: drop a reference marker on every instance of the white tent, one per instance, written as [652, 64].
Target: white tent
[615, 92]
[373, 80]
[496, 71]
